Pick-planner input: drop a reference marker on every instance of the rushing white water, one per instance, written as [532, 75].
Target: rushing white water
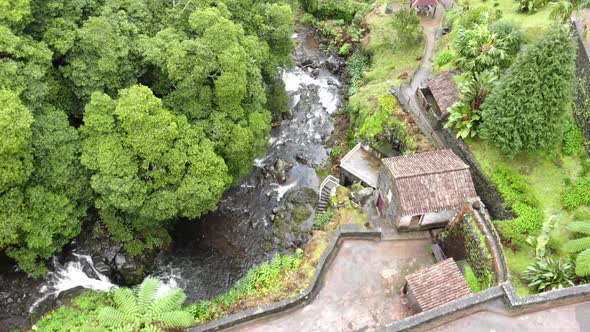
[328, 88]
[70, 276]
[81, 272]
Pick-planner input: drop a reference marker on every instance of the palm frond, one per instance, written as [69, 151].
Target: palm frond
[580, 227]
[577, 245]
[172, 300]
[112, 317]
[177, 318]
[126, 301]
[583, 263]
[147, 292]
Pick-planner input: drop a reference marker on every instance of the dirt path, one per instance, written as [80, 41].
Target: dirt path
[353, 295]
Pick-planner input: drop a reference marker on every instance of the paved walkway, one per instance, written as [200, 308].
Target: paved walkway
[353, 295]
[573, 317]
[407, 93]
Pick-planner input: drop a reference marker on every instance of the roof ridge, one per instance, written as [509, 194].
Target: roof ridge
[431, 173]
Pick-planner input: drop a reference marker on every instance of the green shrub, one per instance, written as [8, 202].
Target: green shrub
[357, 64]
[573, 140]
[472, 280]
[307, 18]
[444, 58]
[576, 195]
[323, 219]
[517, 196]
[345, 49]
[262, 279]
[340, 9]
[407, 25]
[79, 315]
[336, 152]
[547, 274]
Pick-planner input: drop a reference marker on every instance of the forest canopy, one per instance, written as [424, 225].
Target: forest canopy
[131, 113]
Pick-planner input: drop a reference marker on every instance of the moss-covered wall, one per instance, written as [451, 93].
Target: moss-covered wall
[465, 240]
[582, 100]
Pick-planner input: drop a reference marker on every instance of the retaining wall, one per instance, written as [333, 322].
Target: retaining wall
[486, 190]
[351, 231]
[503, 294]
[582, 99]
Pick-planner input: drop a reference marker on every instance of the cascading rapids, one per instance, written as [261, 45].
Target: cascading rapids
[79, 272]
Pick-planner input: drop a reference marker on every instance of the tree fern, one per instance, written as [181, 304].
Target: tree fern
[171, 301]
[176, 318]
[112, 317]
[581, 246]
[583, 263]
[580, 227]
[147, 292]
[126, 301]
[135, 309]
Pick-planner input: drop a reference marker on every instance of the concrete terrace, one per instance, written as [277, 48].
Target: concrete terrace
[353, 295]
[362, 165]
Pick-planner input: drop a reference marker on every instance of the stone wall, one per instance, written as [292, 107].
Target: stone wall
[464, 240]
[486, 190]
[582, 98]
[471, 236]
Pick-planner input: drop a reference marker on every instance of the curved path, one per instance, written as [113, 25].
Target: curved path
[353, 295]
[573, 317]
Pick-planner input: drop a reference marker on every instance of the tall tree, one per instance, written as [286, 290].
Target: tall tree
[148, 166]
[102, 58]
[42, 184]
[525, 111]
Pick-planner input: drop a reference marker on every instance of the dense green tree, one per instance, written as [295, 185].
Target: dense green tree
[102, 58]
[216, 72]
[147, 160]
[42, 185]
[24, 65]
[149, 166]
[407, 25]
[525, 112]
[15, 141]
[15, 12]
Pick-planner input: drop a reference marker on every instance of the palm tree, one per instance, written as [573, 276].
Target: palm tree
[144, 310]
[580, 246]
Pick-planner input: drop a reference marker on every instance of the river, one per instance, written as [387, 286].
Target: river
[253, 220]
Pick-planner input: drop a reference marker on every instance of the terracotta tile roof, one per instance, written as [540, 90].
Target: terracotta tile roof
[430, 182]
[438, 284]
[423, 3]
[444, 90]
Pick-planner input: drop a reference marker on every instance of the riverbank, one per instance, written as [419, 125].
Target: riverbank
[273, 210]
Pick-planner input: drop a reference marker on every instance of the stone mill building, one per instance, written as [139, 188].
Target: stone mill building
[423, 190]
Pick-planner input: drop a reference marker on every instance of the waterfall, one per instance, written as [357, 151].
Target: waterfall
[79, 272]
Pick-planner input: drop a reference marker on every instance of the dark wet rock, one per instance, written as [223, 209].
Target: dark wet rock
[279, 170]
[335, 64]
[131, 270]
[63, 298]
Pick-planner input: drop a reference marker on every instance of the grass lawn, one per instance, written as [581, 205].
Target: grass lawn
[532, 24]
[388, 61]
[546, 179]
